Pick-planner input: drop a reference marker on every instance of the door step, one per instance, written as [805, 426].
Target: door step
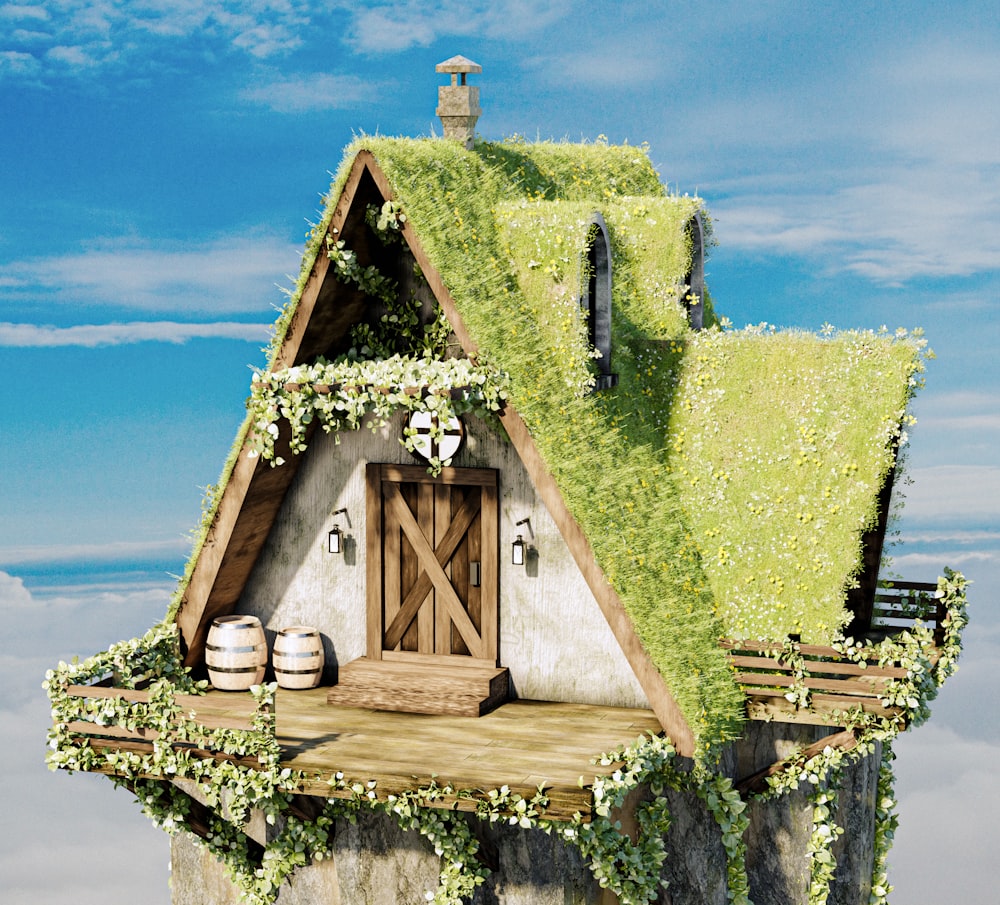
[420, 687]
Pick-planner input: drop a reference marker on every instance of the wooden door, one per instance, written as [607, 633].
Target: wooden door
[432, 564]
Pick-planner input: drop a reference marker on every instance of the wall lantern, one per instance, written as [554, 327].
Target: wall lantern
[520, 549]
[335, 539]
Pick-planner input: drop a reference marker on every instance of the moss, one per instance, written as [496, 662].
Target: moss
[726, 481]
[778, 452]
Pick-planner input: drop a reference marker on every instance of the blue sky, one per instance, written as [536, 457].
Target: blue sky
[161, 159]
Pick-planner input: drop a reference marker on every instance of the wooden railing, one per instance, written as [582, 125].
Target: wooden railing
[816, 684]
[198, 717]
[898, 604]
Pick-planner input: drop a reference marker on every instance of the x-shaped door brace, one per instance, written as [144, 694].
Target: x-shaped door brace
[432, 576]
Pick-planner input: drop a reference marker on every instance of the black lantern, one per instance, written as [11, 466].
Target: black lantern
[335, 539]
[517, 551]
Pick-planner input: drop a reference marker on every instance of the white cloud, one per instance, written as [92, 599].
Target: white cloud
[263, 41]
[387, 27]
[91, 335]
[92, 553]
[939, 98]
[948, 792]
[321, 91]
[917, 221]
[953, 558]
[228, 275]
[947, 408]
[76, 57]
[81, 36]
[955, 493]
[886, 168]
[13, 593]
[619, 62]
[16, 63]
[985, 537]
[78, 839]
[23, 11]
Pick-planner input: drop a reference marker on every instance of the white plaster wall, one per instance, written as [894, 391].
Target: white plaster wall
[553, 637]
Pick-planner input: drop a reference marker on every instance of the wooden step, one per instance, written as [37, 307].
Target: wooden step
[420, 687]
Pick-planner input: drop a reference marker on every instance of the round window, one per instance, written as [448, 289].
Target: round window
[434, 438]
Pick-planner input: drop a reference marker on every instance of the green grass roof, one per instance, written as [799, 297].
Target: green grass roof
[724, 484]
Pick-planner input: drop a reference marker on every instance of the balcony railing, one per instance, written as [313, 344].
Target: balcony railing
[826, 685]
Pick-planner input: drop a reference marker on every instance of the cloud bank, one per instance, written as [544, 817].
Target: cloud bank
[74, 38]
[229, 275]
[92, 335]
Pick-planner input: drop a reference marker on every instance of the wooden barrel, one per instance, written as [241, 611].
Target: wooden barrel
[236, 652]
[298, 657]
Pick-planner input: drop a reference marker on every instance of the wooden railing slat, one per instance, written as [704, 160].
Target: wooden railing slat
[840, 686]
[845, 668]
[907, 586]
[93, 730]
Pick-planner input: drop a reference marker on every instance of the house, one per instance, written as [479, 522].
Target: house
[582, 559]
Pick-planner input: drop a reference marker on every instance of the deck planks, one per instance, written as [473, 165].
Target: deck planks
[522, 744]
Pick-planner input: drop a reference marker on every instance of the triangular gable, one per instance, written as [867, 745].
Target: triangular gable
[254, 493]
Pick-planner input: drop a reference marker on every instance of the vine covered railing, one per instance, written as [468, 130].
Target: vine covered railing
[237, 770]
[136, 711]
[889, 675]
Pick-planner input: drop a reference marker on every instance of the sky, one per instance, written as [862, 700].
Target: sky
[160, 164]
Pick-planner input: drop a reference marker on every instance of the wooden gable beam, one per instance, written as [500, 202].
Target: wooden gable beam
[255, 490]
[846, 740]
[861, 599]
[661, 699]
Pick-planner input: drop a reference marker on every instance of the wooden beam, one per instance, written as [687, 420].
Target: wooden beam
[860, 599]
[199, 821]
[661, 700]
[250, 502]
[255, 490]
[757, 782]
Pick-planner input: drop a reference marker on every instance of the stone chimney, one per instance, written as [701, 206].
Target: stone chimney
[458, 103]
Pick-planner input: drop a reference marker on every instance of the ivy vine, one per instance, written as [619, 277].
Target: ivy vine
[340, 395]
[249, 777]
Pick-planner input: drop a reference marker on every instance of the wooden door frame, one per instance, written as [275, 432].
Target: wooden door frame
[376, 476]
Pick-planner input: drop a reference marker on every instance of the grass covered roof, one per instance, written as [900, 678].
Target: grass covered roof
[726, 481]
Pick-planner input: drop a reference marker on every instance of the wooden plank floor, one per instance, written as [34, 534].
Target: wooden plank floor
[522, 744]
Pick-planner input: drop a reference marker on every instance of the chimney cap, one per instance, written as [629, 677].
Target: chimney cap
[458, 64]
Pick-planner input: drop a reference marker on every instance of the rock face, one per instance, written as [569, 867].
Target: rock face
[374, 862]
[696, 861]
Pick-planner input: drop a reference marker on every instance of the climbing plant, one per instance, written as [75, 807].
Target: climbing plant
[231, 787]
[340, 395]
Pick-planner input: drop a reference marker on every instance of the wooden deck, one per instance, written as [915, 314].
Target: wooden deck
[523, 745]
